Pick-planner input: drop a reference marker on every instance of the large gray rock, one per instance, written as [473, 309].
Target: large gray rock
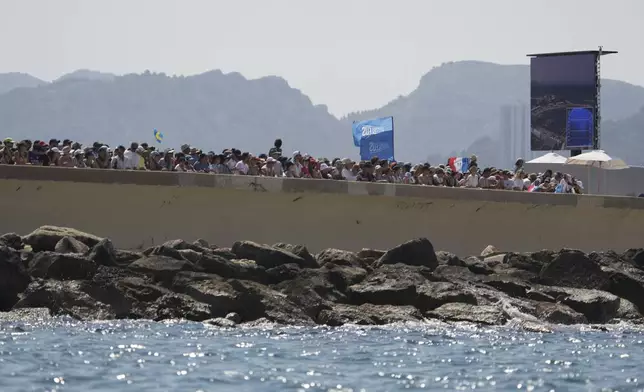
[162, 268]
[264, 255]
[368, 314]
[13, 277]
[418, 252]
[301, 251]
[571, 268]
[558, 313]
[432, 295]
[70, 245]
[339, 257]
[389, 285]
[598, 306]
[45, 238]
[104, 253]
[12, 240]
[239, 269]
[481, 314]
[180, 306]
[60, 266]
[67, 298]
[219, 295]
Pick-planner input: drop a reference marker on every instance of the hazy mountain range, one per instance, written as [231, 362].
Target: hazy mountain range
[454, 110]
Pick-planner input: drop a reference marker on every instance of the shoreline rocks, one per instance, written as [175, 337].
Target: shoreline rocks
[68, 272]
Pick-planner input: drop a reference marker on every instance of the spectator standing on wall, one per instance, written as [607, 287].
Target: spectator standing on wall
[276, 151]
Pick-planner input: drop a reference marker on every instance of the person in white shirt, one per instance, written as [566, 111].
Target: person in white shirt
[242, 166]
[472, 179]
[131, 157]
[118, 160]
[270, 168]
[347, 171]
[297, 164]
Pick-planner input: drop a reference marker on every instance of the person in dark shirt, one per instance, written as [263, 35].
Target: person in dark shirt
[276, 151]
[366, 173]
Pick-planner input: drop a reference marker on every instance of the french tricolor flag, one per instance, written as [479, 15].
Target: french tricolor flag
[459, 164]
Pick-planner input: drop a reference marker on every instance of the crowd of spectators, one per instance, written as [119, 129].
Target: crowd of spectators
[275, 164]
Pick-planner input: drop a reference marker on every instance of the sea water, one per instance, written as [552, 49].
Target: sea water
[67, 355]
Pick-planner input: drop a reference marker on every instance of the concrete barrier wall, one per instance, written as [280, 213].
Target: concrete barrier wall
[140, 209]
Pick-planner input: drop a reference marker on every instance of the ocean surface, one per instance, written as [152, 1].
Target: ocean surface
[67, 355]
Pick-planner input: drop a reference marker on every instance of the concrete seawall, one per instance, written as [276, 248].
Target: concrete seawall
[140, 209]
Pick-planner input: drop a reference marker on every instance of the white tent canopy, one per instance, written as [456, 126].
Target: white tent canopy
[551, 157]
[597, 158]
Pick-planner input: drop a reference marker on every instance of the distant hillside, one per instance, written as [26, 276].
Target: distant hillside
[625, 138]
[211, 110]
[10, 81]
[459, 103]
[86, 74]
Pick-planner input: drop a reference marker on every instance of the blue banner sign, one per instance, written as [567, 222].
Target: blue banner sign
[375, 138]
[580, 128]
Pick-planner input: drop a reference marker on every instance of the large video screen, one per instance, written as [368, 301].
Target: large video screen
[563, 101]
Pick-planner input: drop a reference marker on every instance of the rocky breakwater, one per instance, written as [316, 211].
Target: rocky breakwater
[62, 271]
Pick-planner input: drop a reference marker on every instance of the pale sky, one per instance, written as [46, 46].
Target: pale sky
[348, 54]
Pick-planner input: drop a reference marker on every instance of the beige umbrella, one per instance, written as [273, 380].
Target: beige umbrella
[597, 158]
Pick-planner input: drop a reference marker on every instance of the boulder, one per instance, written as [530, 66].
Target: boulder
[432, 295]
[11, 240]
[628, 311]
[572, 268]
[70, 245]
[388, 285]
[342, 276]
[103, 253]
[259, 301]
[489, 251]
[454, 273]
[183, 245]
[164, 251]
[13, 277]
[25, 315]
[368, 314]
[264, 255]
[339, 257]
[494, 260]
[418, 252]
[45, 238]
[64, 298]
[217, 294]
[60, 266]
[558, 313]
[479, 314]
[180, 306]
[283, 272]
[370, 256]
[598, 306]
[476, 265]
[447, 258]
[301, 251]
[162, 268]
[238, 269]
[506, 284]
[234, 317]
[627, 285]
[220, 322]
[140, 289]
[202, 243]
[226, 253]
